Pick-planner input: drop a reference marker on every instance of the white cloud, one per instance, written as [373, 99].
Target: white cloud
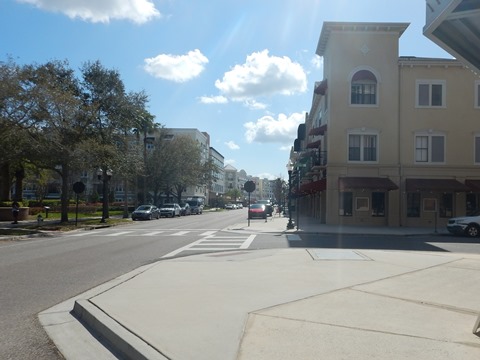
[267, 176]
[178, 68]
[263, 75]
[229, 161]
[213, 99]
[317, 62]
[267, 129]
[232, 146]
[138, 11]
[255, 105]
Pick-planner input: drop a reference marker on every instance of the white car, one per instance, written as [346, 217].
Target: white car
[170, 210]
[465, 225]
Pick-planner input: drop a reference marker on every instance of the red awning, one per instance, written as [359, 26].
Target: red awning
[318, 130]
[372, 183]
[314, 186]
[314, 145]
[444, 185]
[474, 185]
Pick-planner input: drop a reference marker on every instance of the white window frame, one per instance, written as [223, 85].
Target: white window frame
[429, 135]
[430, 83]
[363, 134]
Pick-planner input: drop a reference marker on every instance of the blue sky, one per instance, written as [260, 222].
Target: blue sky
[241, 70]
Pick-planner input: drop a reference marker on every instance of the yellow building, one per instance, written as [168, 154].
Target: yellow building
[389, 140]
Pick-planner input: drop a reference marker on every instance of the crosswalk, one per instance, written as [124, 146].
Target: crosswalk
[210, 240]
[215, 243]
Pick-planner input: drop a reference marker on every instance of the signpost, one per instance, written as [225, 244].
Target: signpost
[249, 187]
[78, 188]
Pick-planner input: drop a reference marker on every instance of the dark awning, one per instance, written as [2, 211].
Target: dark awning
[474, 185]
[444, 185]
[301, 132]
[372, 183]
[321, 88]
[318, 130]
[314, 186]
[314, 144]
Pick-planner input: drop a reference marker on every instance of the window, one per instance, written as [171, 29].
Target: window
[477, 94]
[477, 149]
[363, 90]
[362, 204]
[345, 203]
[430, 93]
[362, 147]
[378, 204]
[429, 205]
[446, 205]
[413, 204]
[429, 148]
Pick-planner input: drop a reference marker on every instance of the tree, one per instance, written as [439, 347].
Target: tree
[234, 194]
[58, 124]
[113, 115]
[16, 102]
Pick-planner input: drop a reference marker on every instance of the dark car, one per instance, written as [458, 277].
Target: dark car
[170, 210]
[146, 212]
[268, 206]
[257, 211]
[185, 209]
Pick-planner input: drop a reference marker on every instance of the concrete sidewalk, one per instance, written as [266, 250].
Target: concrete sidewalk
[281, 304]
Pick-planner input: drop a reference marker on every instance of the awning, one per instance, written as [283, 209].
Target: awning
[313, 187]
[443, 185]
[321, 88]
[318, 130]
[474, 185]
[372, 183]
[314, 145]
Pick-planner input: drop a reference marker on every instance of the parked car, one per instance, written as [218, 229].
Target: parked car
[465, 225]
[146, 212]
[268, 206]
[230, 206]
[196, 207]
[239, 206]
[170, 210]
[185, 209]
[257, 211]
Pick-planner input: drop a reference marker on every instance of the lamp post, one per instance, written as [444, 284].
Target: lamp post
[289, 169]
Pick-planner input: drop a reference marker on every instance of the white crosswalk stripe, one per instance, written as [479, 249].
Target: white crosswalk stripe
[213, 243]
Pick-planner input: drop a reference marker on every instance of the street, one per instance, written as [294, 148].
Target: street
[38, 273]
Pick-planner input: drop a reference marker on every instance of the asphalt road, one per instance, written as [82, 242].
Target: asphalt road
[38, 273]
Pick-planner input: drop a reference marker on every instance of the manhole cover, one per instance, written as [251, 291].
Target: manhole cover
[336, 254]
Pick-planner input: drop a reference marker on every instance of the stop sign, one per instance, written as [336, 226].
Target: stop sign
[249, 186]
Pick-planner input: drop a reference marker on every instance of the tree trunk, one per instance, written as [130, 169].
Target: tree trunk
[5, 182]
[19, 176]
[65, 194]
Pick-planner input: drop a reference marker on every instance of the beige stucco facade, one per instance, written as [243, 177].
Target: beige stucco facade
[393, 138]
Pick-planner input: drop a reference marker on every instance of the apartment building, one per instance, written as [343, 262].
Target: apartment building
[389, 140]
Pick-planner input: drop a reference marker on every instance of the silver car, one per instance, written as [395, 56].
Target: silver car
[170, 210]
[465, 225]
[146, 212]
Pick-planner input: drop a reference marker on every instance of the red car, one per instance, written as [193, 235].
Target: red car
[257, 211]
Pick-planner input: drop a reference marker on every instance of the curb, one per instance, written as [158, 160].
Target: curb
[122, 340]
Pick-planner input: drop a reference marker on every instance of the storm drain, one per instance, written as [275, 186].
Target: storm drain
[336, 254]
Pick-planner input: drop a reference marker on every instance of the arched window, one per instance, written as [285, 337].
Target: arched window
[363, 88]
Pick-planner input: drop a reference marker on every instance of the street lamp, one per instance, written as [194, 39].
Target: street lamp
[289, 169]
